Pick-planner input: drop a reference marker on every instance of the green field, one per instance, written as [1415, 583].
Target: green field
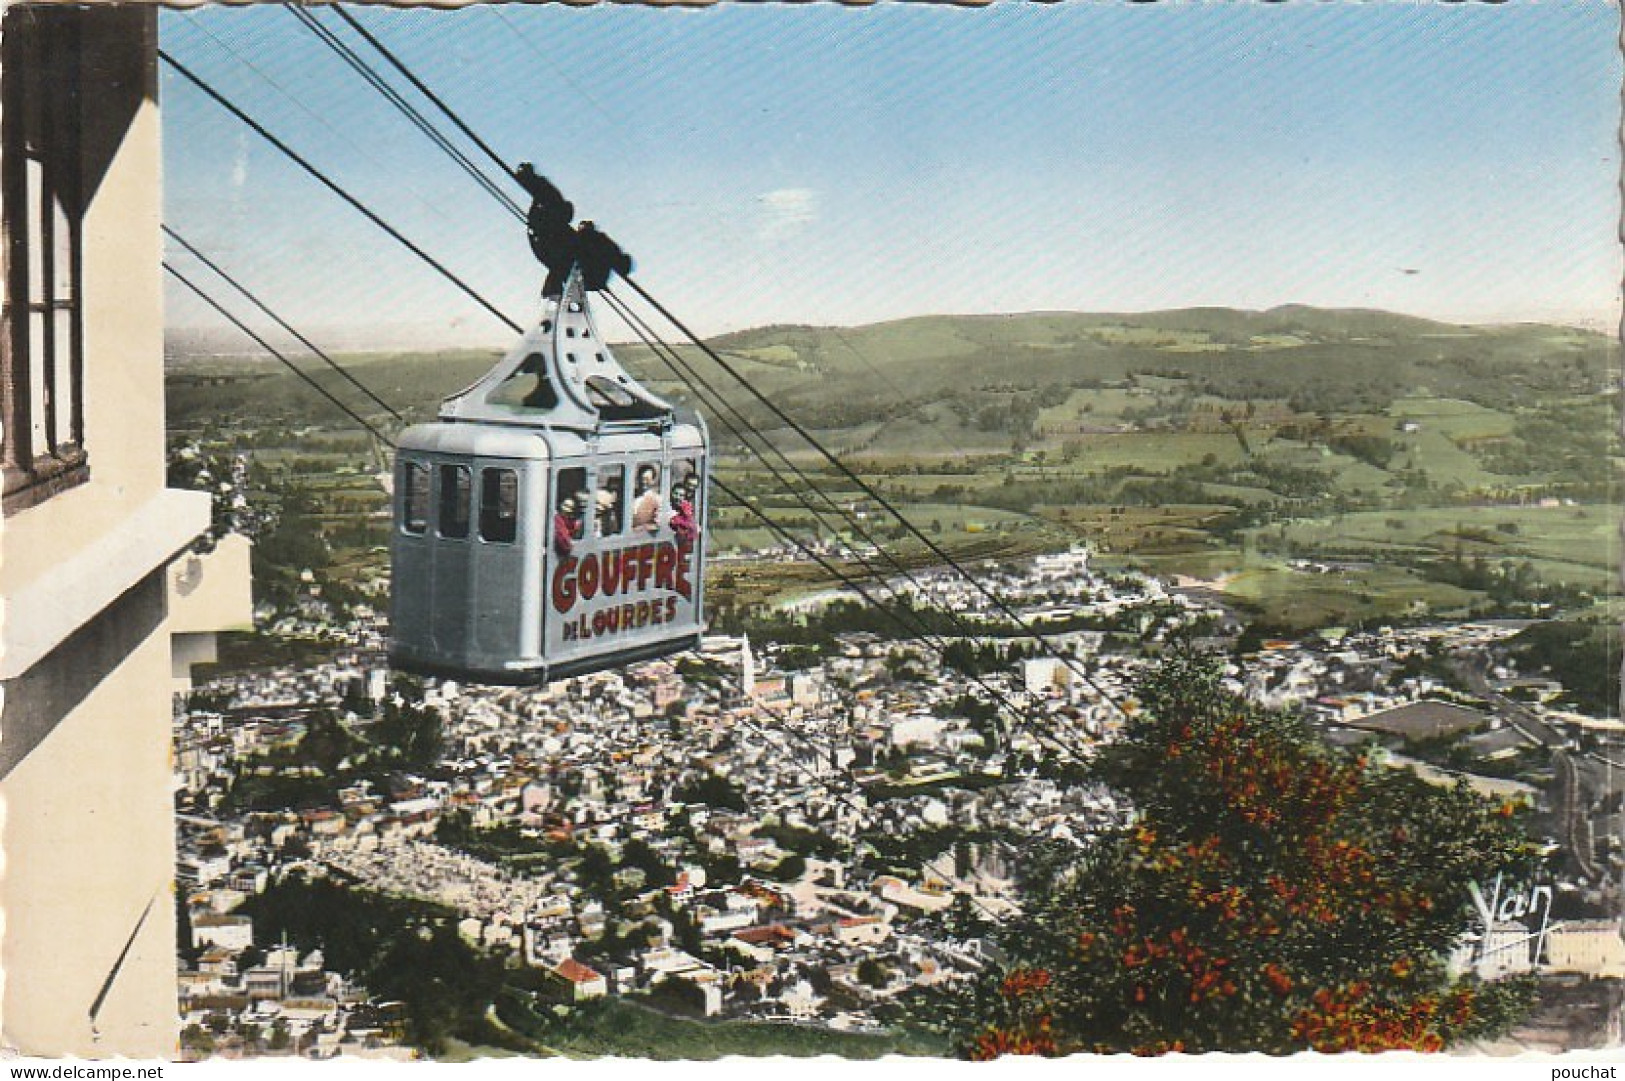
[1303, 600]
[1579, 544]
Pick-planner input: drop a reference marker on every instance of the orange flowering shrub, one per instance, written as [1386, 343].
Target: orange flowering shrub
[1271, 894]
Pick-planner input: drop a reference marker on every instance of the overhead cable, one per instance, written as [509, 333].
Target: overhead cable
[909, 620]
[271, 349]
[422, 89]
[306, 342]
[936, 549]
[406, 108]
[260, 130]
[691, 377]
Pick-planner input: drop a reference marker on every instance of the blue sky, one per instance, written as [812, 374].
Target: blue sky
[831, 165]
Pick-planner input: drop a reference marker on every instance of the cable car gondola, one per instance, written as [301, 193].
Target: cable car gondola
[550, 522]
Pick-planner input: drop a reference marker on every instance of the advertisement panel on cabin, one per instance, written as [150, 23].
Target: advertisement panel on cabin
[600, 597]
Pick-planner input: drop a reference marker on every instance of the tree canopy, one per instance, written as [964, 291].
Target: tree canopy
[1271, 893]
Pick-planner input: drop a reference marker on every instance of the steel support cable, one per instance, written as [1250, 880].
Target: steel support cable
[353, 60]
[709, 396]
[915, 630]
[919, 630]
[401, 67]
[694, 381]
[1044, 640]
[723, 408]
[394, 97]
[563, 75]
[850, 520]
[260, 130]
[243, 61]
[362, 68]
[857, 587]
[269, 348]
[690, 376]
[913, 624]
[306, 342]
[999, 602]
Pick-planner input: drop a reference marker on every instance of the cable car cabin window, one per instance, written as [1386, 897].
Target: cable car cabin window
[611, 501]
[499, 505]
[570, 500]
[646, 501]
[415, 512]
[456, 493]
[685, 499]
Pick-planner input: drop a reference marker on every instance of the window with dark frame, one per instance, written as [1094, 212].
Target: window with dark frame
[41, 348]
[499, 505]
[456, 493]
[570, 501]
[610, 503]
[415, 498]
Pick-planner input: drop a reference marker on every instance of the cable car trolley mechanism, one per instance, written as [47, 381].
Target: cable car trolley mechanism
[549, 523]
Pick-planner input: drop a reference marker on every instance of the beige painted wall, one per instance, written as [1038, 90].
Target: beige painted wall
[85, 644]
[211, 592]
[89, 842]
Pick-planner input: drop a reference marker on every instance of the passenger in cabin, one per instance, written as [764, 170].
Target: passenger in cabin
[684, 526]
[567, 522]
[646, 501]
[609, 510]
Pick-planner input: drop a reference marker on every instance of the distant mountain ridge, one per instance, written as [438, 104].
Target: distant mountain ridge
[182, 342]
[1328, 321]
[839, 374]
[977, 375]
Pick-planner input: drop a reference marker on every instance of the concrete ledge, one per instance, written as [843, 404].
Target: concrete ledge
[45, 612]
[53, 687]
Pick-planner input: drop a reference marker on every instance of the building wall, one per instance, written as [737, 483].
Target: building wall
[208, 593]
[1593, 947]
[88, 946]
[90, 860]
